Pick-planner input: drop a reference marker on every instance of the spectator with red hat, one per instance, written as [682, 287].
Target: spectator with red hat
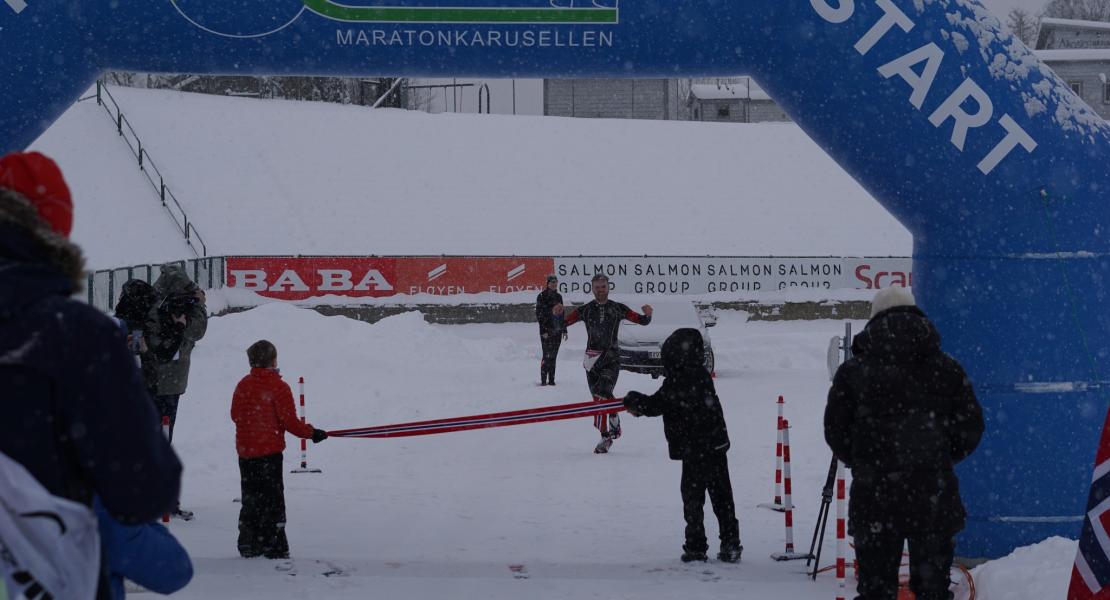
[76, 411]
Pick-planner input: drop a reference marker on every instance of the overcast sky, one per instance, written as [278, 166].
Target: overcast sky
[1002, 7]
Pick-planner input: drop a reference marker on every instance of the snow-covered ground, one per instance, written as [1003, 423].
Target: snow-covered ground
[284, 177]
[449, 516]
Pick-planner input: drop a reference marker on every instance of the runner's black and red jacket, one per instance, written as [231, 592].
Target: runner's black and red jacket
[602, 323]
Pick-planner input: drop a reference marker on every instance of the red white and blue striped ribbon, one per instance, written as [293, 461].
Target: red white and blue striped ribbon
[504, 419]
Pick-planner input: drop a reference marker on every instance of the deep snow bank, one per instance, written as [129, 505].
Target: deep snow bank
[284, 177]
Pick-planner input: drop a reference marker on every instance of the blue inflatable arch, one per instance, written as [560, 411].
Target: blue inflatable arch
[997, 169]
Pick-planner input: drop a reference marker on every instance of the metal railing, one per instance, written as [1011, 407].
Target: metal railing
[153, 174]
[103, 287]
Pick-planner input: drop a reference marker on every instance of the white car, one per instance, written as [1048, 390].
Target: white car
[641, 346]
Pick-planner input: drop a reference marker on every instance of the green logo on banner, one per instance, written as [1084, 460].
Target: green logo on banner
[560, 12]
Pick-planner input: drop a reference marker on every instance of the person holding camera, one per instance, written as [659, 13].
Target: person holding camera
[136, 300]
[177, 322]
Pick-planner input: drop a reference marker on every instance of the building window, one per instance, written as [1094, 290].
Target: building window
[723, 112]
[1077, 87]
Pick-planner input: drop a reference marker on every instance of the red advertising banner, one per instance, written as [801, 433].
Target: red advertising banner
[298, 278]
[471, 275]
[295, 278]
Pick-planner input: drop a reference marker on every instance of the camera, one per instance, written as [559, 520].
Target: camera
[135, 343]
[178, 304]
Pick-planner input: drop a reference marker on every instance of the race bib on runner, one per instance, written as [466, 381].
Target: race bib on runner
[590, 359]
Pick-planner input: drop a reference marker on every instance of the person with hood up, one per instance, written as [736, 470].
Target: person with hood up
[177, 322]
[901, 413]
[76, 412]
[694, 425]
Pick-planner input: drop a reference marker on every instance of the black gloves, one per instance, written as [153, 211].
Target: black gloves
[319, 435]
[632, 401]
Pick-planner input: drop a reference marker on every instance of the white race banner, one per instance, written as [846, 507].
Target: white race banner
[683, 275]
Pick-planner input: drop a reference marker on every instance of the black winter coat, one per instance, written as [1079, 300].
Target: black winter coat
[692, 417]
[901, 413]
[545, 303]
[75, 411]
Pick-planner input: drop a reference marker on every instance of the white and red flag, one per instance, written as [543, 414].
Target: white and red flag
[1090, 578]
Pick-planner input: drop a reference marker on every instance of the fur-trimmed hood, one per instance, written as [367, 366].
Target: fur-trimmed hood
[34, 261]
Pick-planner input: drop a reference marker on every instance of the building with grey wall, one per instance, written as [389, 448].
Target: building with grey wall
[659, 99]
[737, 101]
[655, 99]
[1079, 52]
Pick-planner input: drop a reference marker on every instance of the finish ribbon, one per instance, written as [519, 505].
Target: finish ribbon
[503, 419]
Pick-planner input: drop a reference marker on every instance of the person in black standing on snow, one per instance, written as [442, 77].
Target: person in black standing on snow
[901, 413]
[552, 330]
[603, 320]
[694, 425]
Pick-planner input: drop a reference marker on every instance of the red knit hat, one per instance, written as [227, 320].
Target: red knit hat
[39, 179]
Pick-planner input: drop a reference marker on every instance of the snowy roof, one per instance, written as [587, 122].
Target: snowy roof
[1084, 54]
[1049, 23]
[730, 91]
[283, 177]
[1096, 25]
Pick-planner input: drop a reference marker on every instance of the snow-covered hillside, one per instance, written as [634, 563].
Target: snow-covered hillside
[283, 177]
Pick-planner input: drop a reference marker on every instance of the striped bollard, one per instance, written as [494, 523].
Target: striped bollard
[841, 532]
[777, 504]
[166, 432]
[304, 443]
[788, 507]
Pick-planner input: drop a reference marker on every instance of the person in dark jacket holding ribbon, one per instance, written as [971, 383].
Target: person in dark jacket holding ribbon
[262, 409]
[694, 425]
[901, 413]
[552, 330]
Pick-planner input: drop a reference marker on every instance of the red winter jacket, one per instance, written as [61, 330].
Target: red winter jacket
[263, 411]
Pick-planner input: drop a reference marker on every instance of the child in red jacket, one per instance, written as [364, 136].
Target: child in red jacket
[262, 409]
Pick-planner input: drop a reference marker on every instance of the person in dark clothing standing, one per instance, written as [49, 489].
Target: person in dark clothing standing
[262, 409]
[177, 322]
[901, 413]
[76, 413]
[552, 330]
[602, 362]
[694, 425]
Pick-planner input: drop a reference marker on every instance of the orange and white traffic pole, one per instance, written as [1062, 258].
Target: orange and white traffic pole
[777, 505]
[304, 443]
[788, 506]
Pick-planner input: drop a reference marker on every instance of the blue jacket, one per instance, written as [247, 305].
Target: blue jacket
[147, 554]
[75, 411]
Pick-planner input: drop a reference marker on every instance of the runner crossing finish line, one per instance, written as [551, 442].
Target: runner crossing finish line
[503, 419]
